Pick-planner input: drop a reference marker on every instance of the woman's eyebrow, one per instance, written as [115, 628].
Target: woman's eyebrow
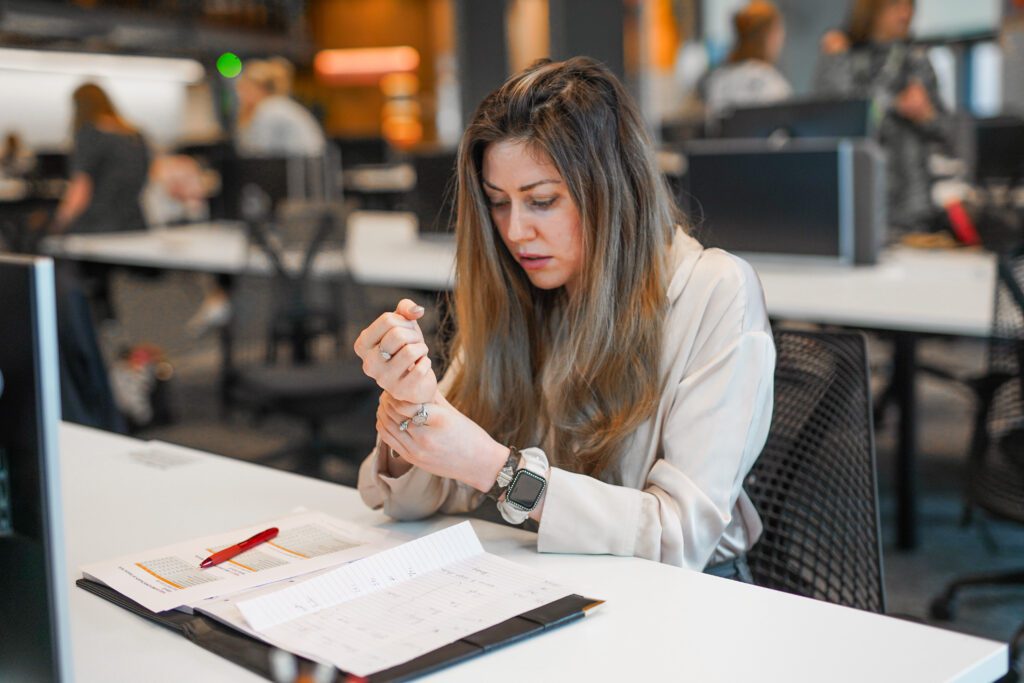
[527, 187]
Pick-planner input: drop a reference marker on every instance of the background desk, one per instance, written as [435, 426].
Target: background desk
[660, 622]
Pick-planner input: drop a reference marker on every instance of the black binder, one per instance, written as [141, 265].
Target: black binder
[254, 654]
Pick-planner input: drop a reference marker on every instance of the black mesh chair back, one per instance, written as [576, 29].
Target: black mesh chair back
[814, 484]
[996, 471]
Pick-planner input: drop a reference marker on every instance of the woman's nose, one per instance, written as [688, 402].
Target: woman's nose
[520, 227]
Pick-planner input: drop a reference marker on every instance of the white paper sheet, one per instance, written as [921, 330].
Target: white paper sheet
[389, 608]
[169, 577]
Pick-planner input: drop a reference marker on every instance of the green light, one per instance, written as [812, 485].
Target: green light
[229, 65]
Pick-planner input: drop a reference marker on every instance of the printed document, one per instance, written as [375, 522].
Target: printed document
[170, 578]
[386, 609]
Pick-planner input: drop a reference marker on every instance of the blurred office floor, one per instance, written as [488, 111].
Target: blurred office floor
[156, 310]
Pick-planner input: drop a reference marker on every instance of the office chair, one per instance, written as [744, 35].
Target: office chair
[814, 484]
[304, 386]
[995, 470]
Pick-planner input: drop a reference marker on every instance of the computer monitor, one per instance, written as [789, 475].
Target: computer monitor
[810, 199]
[816, 118]
[433, 199]
[34, 634]
[999, 149]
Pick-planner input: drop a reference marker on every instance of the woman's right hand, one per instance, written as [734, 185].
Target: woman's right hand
[834, 43]
[395, 355]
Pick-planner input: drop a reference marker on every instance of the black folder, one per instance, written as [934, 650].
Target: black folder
[254, 654]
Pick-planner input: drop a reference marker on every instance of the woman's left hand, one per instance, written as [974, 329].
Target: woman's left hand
[914, 103]
[448, 444]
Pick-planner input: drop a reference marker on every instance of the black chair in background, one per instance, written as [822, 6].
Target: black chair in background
[320, 379]
[814, 484]
[995, 471]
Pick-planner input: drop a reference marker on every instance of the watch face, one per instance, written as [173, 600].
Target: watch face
[525, 489]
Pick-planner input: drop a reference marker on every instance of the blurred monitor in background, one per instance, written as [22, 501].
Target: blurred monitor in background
[999, 150]
[433, 198]
[810, 118]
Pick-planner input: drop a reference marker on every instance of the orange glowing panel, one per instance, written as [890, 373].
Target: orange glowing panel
[363, 66]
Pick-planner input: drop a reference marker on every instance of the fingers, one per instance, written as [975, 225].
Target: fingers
[397, 440]
[369, 338]
[397, 337]
[417, 386]
[397, 409]
[409, 309]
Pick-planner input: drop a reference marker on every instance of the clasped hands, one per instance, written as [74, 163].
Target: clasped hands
[440, 440]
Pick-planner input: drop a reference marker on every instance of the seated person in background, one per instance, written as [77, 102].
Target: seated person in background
[270, 123]
[873, 59]
[17, 160]
[749, 75]
[598, 345]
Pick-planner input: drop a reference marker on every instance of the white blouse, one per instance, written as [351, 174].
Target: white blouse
[676, 493]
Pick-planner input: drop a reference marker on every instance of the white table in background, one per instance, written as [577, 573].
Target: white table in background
[659, 622]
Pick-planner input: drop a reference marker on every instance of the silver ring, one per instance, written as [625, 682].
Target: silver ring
[403, 426]
[420, 418]
[384, 354]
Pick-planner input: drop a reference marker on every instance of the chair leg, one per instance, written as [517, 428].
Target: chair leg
[942, 607]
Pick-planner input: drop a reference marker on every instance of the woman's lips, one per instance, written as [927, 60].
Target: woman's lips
[533, 261]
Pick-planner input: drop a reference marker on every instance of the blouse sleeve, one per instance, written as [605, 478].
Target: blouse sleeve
[417, 493]
[714, 430]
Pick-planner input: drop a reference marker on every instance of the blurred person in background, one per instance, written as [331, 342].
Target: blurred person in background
[873, 58]
[749, 75]
[109, 168]
[16, 160]
[270, 122]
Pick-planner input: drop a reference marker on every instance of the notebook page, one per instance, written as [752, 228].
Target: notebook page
[392, 625]
[382, 570]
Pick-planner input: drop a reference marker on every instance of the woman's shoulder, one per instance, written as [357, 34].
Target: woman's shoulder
[710, 280]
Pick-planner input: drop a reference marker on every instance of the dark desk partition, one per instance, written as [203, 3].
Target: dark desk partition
[433, 199]
[810, 118]
[820, 199]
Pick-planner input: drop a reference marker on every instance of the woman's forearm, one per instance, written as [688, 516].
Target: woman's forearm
[75, 200]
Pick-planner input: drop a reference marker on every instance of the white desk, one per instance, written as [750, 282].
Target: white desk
[659, 622]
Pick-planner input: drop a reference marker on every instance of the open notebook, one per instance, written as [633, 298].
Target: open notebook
[396, 614]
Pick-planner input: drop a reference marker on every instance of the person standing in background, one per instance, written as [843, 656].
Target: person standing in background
[873, 59]
[109, 168]
[749, 75]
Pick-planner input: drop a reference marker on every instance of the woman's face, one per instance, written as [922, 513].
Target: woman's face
[775, 40]
[893, 21]
[249, 93]
[532, 209]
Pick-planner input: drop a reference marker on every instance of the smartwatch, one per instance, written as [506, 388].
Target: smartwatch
[526, 488]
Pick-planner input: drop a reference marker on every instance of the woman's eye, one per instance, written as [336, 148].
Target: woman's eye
[543, 203]
[496, 203]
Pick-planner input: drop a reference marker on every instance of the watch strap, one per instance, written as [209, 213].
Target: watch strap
[505, 475]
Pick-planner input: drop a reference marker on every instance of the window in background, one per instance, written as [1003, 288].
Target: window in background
[986, 80]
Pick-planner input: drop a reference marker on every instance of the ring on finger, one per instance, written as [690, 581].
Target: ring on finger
[384, 354]
[420, 418]
[404, 425]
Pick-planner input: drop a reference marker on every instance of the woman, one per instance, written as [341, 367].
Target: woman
[872, 59]
[629, 369]
[109, 168]
[270, 123]
[749, 76]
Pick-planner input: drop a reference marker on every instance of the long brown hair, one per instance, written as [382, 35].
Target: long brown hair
[581, 370]
[863, 15]
[93, 105]
[752, 25]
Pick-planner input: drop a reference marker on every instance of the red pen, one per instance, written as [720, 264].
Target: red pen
[238, 548]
